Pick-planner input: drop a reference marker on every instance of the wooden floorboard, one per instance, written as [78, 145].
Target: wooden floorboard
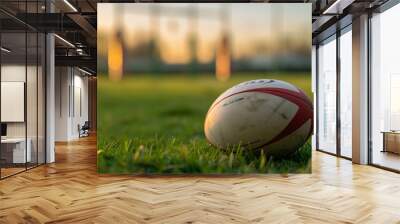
[70, 191]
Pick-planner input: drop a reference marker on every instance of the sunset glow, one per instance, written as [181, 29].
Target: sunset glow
[220, 39]
[115, 59]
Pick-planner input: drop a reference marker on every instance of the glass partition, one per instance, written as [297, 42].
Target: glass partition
[15, 152]
[22, 107]
[31, 99]
[327, 95]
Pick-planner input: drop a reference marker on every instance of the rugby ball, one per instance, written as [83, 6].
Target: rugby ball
[266, 114]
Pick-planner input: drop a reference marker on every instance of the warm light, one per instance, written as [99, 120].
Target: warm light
[115, 59]
[70, 5]
[5, 49]
[337, 7]
[223, 60]
[84, 71]
[64, 40]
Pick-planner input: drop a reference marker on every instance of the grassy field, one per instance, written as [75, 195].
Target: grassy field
[154, 124]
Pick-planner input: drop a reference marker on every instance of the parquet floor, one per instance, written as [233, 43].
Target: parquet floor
[10, 171]
[70, 191]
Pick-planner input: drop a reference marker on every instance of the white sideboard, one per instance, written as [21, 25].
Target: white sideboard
[19, 154]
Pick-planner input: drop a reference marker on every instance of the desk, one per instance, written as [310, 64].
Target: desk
[15, 148]
[391, 141]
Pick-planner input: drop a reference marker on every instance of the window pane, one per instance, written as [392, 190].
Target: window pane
[345, 94]
[327, 96]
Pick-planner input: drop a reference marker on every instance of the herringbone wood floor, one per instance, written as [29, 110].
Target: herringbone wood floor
[70, 191]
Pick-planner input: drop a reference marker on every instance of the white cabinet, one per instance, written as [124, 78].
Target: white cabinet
[18, 149]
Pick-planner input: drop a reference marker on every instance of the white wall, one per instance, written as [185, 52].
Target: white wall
[62, 82]
[13, 73]
[70, 84]
[80, 100]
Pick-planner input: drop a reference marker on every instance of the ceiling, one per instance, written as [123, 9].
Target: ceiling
[331, 15]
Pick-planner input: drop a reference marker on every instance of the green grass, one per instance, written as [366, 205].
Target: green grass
[154, 124]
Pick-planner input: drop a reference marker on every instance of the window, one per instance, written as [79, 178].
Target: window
[346, 92]
[385, 89]
[327, 95]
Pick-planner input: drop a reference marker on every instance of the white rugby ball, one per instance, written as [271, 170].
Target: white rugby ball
[267, 114]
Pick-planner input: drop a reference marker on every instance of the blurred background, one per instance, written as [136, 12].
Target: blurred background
[213, 39]
[174, 60]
